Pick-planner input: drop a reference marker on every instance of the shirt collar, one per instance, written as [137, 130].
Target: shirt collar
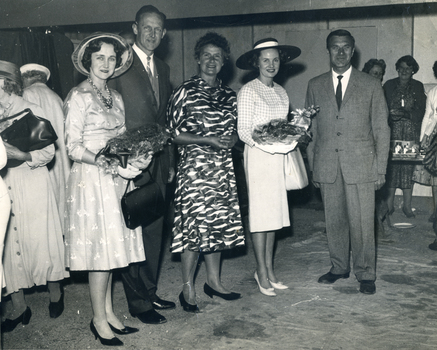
[346, 75]
[143, 57]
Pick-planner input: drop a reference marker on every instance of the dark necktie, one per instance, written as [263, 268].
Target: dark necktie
[338, 92]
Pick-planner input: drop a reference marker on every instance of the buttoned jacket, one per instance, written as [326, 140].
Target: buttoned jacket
[356, 137]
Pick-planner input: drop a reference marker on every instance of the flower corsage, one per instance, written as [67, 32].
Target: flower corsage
[132, 146]
[281, 136]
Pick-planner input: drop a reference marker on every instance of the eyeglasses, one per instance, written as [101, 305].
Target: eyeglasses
[405, 69]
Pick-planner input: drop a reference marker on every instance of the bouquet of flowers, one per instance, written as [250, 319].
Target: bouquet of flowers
[280, 131]
[131, 146]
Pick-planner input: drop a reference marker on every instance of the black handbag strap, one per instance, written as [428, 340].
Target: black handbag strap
[27, 110]
[128, 183]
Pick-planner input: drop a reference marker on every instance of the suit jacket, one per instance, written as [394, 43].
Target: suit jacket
[141, 107]
[357, 136]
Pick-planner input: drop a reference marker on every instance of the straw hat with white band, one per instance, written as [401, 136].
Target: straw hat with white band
[126, 57]
[290, 52]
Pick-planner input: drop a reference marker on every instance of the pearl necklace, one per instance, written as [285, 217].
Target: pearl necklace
[106, 101]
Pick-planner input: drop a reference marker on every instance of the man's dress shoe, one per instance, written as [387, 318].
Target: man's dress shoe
[150, 317]
[160, 304]
[331, 278]
[367, 287]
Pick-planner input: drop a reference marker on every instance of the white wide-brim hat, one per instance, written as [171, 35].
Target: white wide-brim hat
[33, 66]
[291, 52]
[126, 57]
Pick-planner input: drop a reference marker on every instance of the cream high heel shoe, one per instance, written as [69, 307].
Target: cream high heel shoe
[278, 285]
[266, 291]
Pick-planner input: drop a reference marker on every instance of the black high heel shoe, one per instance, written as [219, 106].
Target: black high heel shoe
[125, 330]
[109, 342]
[408, 213]
[226, 296]
[56, 309]
[9, 325]
[186, 306]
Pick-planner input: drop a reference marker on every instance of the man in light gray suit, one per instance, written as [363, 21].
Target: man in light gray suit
[348, 158]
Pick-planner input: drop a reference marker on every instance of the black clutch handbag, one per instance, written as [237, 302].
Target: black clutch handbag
[143, 205]
[29, 133]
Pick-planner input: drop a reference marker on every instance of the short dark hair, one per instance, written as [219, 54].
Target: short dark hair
[374, 62]
[95, 46]
[409, 61]
[254, 58]
[213, 39]
[339, 32]
[434, 69]
[12, 87]
[150, 9]
[35, 76]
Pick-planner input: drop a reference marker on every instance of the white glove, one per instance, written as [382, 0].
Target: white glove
[129, 172]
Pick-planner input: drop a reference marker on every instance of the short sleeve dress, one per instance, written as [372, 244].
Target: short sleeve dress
[268, 204]
[207, 213]
[96, 236]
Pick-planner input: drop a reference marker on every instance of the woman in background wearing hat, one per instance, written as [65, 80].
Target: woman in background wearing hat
[260, 101]
[97, 239]
[202, 114]
[34, 247]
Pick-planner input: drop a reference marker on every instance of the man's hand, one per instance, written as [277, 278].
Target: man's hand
[171, 174]
[380, 182]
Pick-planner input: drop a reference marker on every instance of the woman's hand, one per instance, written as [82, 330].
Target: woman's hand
[129, 172]
[143, 162]
[14, 153]
[229, 140]
[215, 142]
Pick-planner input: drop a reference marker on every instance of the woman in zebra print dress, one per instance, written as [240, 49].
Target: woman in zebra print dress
[203, 115]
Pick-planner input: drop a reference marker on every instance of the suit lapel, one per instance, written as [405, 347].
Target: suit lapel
[351, 86]
[138, 65]
[329, 92]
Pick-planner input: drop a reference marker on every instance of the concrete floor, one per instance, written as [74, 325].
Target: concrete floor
[401, 315]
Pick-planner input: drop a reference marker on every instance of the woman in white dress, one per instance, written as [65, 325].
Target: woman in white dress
[259, 101]
[5, 208]
[34, 247]
[96, 238]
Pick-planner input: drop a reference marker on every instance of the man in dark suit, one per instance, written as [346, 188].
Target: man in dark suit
[145, 89]
[348, 158]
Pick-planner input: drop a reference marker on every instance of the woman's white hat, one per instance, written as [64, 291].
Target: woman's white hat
[33, 66]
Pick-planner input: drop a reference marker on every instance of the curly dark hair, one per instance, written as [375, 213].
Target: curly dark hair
[213, 39]
[95, 46]
[409, 61]
[11, 87]
[374, 62]
[253, 60]
[35, 76]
